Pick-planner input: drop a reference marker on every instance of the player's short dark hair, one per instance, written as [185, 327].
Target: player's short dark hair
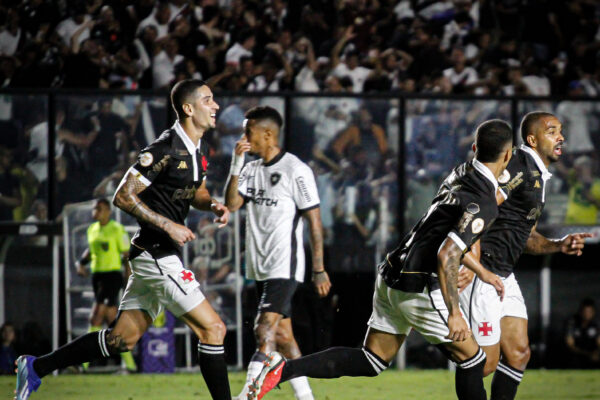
[260, 113]
[182, 93]
[491, 138]
[104, 201]
[529, 122]
[587, 302]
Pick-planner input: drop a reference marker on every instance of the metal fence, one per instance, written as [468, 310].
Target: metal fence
[378, 160]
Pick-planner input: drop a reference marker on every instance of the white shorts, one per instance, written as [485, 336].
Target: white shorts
[482, 305]
[396, 312]
[161, 283]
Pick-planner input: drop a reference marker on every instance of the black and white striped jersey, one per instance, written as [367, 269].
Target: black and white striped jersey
[276, 193]
[463, 209]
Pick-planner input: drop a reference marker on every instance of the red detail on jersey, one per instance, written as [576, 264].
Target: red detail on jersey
[204, 163]
[187, 276]
[485, 329]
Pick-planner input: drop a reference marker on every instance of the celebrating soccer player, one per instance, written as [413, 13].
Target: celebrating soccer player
[501, 326]
[417, 283]
[158, 190]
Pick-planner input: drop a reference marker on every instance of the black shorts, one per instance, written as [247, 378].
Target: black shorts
[107, 286]
[275, 295]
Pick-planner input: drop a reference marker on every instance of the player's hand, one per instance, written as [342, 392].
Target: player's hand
[494, 280]
[81, 269]
[459, 330]
[222, 213]
[322, 283]
[242, 146]
[180, 233]
[465, 277]
[573, 244]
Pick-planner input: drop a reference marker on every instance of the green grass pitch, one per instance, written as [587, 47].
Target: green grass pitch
[410, 384]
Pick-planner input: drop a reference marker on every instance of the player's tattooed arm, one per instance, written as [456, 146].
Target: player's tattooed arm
[126, 198]
[449, 257]
[320, 277]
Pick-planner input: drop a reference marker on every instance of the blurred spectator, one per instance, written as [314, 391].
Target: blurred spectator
[167, 56]
[159, 19]
[8, 354]
[349, 66]
[241, 48]
[79, 21]
[11, 37]
[462, 78]
[363, 133]
[574, 116]
[10, 195]
[584, 193]
[582, 337]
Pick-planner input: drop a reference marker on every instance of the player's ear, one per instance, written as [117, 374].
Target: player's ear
[187, 109]
[474, 147]
[531, 140]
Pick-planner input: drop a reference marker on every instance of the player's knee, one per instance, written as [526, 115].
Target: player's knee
[117, 344]
[264, 331]
[519, 355]
[213, 333]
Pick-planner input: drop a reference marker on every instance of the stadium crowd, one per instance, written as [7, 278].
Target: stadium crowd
[537, 47]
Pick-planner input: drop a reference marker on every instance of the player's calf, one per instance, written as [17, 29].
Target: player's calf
[469, 378]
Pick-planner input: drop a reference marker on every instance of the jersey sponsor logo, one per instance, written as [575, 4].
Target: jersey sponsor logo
[485, 329]
[146, 159]
[303, 188]
[184, 194]
[516, 181]
[504, 177]
[258, 197]
[182, 165]
[537, 184]
[161, 164]
[275, 177]
[477, 225]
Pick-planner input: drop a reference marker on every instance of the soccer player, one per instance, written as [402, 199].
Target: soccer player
[158, 190]
[108, 249]
[278, 189]
[417, 283]
[501, 326]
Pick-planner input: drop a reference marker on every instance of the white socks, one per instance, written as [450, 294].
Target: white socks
[301, 388]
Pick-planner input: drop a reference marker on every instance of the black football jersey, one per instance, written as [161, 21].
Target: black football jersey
[173, 169]
[463, 209]
[524, 182]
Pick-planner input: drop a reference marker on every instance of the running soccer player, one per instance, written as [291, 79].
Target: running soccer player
[108, 249]
[158, 190]
[501, 326]
[278, 189]
[417, 283]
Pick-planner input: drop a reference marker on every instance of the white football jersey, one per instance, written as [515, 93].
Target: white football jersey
[275, 194]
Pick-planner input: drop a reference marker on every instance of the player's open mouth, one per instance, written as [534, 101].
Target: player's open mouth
[558, 149]
[213, 116]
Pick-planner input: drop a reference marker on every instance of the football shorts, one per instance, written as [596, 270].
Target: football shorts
[484, 310]
[156, 284]
[396, 312]
[275, 295]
